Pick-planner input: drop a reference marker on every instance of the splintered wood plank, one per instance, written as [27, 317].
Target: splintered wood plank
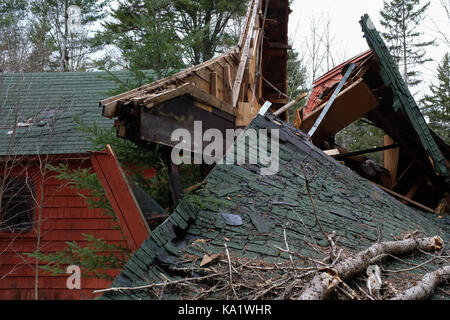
[121, 197]
[332, 152]
[351, 104]
[244, 55]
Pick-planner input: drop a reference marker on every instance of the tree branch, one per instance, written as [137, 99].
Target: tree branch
[325, 282]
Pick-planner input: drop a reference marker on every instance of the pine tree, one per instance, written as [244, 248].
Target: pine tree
[401, 19]
[165, 36]
[144, 33]
[296, 79]
[204, 25]
[436, 106]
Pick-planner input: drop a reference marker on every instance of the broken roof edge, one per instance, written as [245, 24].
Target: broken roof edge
[335, 70]
[167, 80]
[403, 97]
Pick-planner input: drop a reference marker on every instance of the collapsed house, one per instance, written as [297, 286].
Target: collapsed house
[416, 166]
[268, 228]
[245, 235]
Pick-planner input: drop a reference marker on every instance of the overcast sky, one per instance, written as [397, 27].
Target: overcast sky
[348, 38]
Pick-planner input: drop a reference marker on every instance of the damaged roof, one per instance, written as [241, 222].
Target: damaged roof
[330, 79]
[255, 215]
[416, 161]
[41, 107]
[403, 100]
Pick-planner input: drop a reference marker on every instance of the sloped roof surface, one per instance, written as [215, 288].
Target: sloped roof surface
[403, 100]
[359, 212]
[51, 100]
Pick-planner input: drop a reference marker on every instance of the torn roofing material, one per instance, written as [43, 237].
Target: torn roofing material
[415, 160]
[329, 80]
[274, 210]
[403, 100]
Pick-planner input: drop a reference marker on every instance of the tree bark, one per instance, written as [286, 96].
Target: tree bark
[424, 289]
[325, 282]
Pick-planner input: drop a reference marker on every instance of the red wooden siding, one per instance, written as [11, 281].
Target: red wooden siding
[65, 217]
[121, 197]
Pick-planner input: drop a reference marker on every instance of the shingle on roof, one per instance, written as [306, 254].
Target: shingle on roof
[357, 210]
[53, 99]
[403, 100]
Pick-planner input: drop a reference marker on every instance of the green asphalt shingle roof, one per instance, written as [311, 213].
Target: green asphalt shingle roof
[403, 100]
[52, 100]
[359, 212]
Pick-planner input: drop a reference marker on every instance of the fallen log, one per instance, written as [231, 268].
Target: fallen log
[425, 288]
[325, 282]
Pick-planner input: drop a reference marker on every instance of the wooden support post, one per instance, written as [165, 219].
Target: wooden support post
[205, 170]
[244, 56]
[175, 186]
[243, 96]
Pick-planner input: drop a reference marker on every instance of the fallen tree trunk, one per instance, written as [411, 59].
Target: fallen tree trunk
[425, 288]
[325, 282]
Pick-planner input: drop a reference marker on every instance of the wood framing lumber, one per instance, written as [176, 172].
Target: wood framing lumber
[397, 195]
[195, 92]
[391, 158]
[244, 56]
[290, 104]
[363, 152]
[351, 104]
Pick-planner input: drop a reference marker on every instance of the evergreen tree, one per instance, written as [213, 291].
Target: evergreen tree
[436, 106]
[401, 19]
[166, 36]
[143, 31]
[296, 79]
[203, 24]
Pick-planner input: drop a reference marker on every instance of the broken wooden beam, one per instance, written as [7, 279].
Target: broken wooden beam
[290, 104]
[363, 152]
[351, 104]
[402, 197]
